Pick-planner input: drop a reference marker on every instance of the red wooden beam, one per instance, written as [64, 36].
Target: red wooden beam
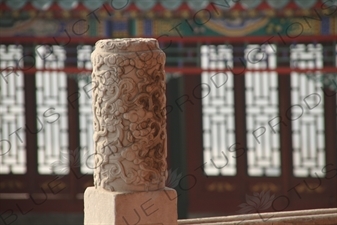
[167, 39]
[182, 70]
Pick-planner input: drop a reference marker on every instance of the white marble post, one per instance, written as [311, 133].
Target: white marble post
[129, 135]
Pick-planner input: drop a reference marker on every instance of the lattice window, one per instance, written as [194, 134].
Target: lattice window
[218, 111]
[12, 117]
[83, 56]
[307, 111]
[263, 143]
[85, 110]
[52, 113]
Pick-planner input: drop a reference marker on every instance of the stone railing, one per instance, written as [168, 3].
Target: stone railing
[130, 144]
[301, 217]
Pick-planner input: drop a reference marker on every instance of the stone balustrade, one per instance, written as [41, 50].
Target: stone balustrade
[300, 217]
[130, 145]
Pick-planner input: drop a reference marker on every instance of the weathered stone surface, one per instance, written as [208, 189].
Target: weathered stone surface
[103, 207]
[129, 114]
[130, 136]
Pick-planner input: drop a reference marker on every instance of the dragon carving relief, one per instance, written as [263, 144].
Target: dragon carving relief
[129, 115]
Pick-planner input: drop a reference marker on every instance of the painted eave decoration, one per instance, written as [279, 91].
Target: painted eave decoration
[160, 5]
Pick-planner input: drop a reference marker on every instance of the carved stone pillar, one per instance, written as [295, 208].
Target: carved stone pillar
[130, 135]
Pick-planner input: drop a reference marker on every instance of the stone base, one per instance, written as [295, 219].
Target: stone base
[102, 207]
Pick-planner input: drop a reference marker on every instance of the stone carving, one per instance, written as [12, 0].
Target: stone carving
[129, 114]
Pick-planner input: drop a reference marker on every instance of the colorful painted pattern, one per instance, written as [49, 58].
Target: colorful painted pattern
[155, 27]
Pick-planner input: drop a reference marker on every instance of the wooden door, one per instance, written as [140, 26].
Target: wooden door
[261, 141]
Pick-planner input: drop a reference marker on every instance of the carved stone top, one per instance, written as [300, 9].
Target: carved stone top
[127, 45]
[129, 115]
